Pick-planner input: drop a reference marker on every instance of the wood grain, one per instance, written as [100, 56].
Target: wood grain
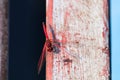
[82, 28]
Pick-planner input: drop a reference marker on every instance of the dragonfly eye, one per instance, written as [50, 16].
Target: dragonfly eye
[49, 44]
[50, 49]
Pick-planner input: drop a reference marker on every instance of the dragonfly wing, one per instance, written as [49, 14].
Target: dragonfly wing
[42, 58]
[75, 57]
[52, 32]
[45, 31]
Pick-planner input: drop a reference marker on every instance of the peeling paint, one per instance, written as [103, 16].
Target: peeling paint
[81, 27]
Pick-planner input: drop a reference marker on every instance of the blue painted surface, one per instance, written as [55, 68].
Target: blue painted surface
[115, 30]
[26, 39]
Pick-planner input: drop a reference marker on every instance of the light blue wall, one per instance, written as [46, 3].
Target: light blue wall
[115, 28]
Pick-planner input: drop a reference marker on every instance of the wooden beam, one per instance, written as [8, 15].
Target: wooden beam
[3, 39]
[81, 26]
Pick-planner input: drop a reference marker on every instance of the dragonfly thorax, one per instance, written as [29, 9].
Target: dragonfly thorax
[53, 46]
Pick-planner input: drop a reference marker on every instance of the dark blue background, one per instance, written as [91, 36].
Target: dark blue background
[26, 39]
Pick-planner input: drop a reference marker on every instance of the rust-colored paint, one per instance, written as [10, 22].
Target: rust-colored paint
[67, 60]
[49, 13]
[49, 56]
[81, 27]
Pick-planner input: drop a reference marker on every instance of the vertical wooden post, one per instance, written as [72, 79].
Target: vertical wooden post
[82, 28]
[3, 39]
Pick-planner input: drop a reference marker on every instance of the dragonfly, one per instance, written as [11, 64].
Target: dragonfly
[51, 45]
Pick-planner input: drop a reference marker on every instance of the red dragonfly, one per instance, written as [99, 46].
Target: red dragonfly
[51, 46]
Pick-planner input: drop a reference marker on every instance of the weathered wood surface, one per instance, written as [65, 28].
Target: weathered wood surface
[82, 28]
[3, 39]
